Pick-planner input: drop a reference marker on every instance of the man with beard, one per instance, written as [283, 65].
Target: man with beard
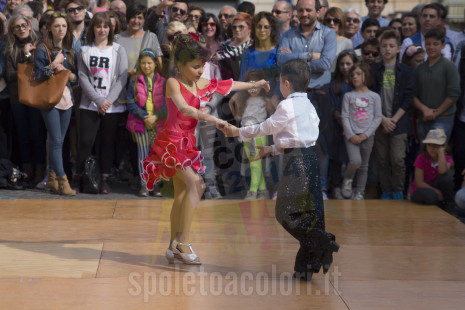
[177, 12]
[316, 44]
[76, 10]
[282, 12]
[225, 16]
[324, 8]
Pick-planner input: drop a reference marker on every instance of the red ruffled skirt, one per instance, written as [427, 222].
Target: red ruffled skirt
[171, 151]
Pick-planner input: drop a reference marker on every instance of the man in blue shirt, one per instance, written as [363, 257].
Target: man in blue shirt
[316, 44]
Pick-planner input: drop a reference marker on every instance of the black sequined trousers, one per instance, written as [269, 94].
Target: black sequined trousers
[300, 210]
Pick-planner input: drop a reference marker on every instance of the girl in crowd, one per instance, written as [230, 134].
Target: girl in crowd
[28, 123]
[413, 56]
[173, 153]
[58, 43]
[337, 89]
[253, 112]
[361, 116]
[146, 106]
[336, 20]
[433, 183]
[102, 76]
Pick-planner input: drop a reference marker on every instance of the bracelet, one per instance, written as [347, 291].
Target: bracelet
[253, 90]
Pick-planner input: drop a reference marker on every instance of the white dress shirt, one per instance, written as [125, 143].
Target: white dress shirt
[294, 124]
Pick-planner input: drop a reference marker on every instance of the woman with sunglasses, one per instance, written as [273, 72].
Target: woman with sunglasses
[103, 75]
[57, 43]
[209, 26]
[336, 20]
[29, 127]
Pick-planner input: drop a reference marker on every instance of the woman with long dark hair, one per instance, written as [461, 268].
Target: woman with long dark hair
[58, 43]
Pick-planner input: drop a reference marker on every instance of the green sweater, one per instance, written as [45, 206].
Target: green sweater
[435, 84]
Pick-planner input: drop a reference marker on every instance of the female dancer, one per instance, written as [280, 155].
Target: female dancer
[173, 153]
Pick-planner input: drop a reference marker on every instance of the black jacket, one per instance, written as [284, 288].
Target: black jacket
[403, 92]
[462, 83]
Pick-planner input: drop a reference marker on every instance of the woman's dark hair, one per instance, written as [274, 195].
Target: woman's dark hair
[366, 71]
[205, 19]
[274, 31]
[98, 19]
[337, 75]
[113, 14]
[411, 15]
[255, 75]
[297, 72]
[43, 20]
[134, 10]
[187, 49]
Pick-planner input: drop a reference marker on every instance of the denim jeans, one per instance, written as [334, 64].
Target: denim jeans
[439, 123]
[57, 122]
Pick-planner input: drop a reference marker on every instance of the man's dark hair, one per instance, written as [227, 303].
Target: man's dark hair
[442, 9]
[433, 7]
[370, 22]
[366, 1]
[36, 7]
[185, 2]
[436, 33]
[297, 72]
[317, 5]
[246, 7]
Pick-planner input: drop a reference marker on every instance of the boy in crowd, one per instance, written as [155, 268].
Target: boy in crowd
[437, 85]
[394, 83]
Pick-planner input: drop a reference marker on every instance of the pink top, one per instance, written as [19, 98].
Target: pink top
[430, 169]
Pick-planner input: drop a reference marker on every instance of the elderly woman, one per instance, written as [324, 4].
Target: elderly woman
[336, 20]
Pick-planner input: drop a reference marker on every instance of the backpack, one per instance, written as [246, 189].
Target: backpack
[91, 179]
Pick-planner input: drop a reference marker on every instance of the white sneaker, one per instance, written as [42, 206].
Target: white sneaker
[347, 188]
[325, 196]
[358, 196]
[41, 184]
[337, 193]
[251, 195]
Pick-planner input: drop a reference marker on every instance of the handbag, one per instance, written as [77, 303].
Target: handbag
[91, 179]
[41, 95]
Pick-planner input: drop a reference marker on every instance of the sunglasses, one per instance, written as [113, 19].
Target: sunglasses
[278, 12]
[211, 24]
[260, 27]
[374, 53]
[175, 9]
[192, 16]
[59, 14]
[238, 27]
[20, 27]
[224, 15]
[354, 20]
[173, 36]
[334, 20]
[75, 10]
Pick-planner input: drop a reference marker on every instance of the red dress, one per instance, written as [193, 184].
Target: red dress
[174, 146]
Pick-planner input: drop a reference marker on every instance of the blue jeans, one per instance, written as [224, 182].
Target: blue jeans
[57, 122]
[439, 123]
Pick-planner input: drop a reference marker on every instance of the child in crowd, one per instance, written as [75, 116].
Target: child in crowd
[361, 116]
[370, 51]
[433, 184]
[437, 87]
[337, 89]
[251, 110]
[393, 81]
[413, 56]
[299, 209]
[146, 106]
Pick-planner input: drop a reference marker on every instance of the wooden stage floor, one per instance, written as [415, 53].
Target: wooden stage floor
[69, 254]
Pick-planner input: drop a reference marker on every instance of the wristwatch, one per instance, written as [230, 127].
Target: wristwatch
[309, 56]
